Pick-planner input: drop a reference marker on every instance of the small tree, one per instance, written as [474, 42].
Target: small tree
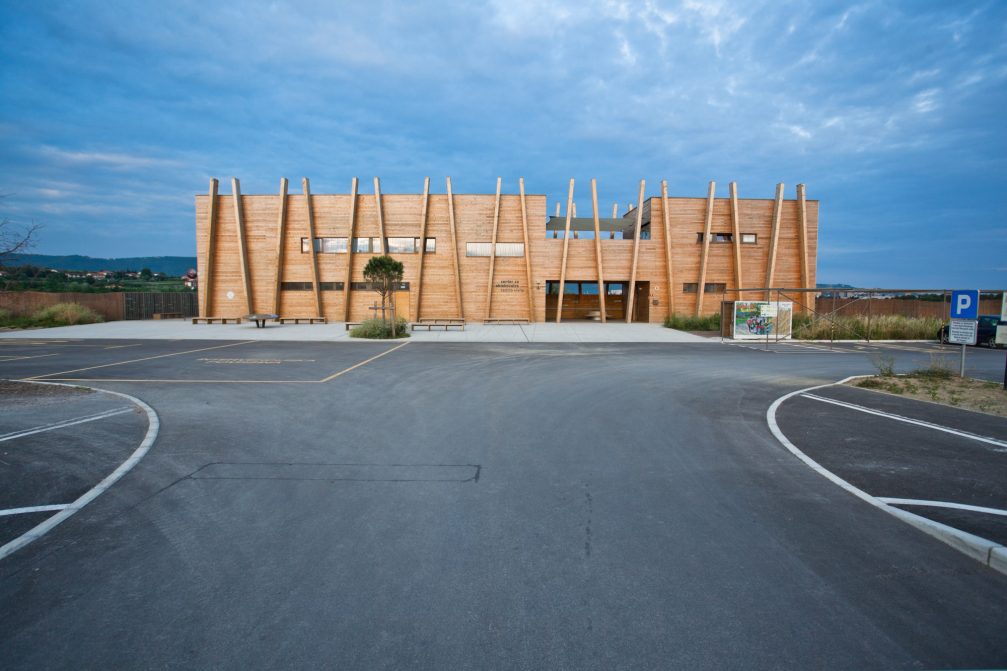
[385, 274]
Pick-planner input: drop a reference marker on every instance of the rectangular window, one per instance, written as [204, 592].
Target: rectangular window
[690, 287]
[478, 248]
[361, 245]
[370, 286]
[749, 239]
[571, 288]
[645, 232]
[331, 286]
[296, 286]
[430, 245]
[714, 288]
[614, 288]
[589, 288]
[722, 237]
[376, 245]
[402, 245]
[326, 245]
[552, 287]
[510, 249]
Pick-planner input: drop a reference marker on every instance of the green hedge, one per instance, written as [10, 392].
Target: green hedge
[376, 329]
[684, 323]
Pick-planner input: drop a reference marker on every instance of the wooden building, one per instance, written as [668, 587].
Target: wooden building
[497, 256]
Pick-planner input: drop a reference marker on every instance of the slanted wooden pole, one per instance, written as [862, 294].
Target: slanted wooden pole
[566, 246]
[802, 222]
[348, 276]
[597, 248]
[736, 234]
[455, 251]
[707, 232]
[281, 229]
[636, 254]
[666, 219]
[527, 253]
[615, 215]
[246, 278]
[493, 251]
[424, 207]
[206, 279]
[310, 211]
[774, 239]
[381, 216]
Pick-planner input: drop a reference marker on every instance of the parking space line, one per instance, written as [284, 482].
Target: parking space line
[34, 509]
[7, 357]
[122, 379]
[363, 363]
[943, 504]
[907, 420]
[146, 358]
[64, 424]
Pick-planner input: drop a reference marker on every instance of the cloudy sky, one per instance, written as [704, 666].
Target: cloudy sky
[116, 113]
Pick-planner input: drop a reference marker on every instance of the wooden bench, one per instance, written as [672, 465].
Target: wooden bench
[168, 315]
[216, 320]
[350, 325]
[505, 320]
[305, 320]
[439, 323]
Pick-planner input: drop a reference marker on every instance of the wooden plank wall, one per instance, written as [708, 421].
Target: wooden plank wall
[507, 296]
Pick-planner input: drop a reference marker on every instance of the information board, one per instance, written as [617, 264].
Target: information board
[963, 331]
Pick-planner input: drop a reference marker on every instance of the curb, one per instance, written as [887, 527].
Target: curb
[984, 551]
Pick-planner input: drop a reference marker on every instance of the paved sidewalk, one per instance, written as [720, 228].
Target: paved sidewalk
[184, 330]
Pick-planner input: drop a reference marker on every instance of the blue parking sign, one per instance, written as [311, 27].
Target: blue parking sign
[965, 304]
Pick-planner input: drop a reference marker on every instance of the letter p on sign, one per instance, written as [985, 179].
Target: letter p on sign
[965, 304]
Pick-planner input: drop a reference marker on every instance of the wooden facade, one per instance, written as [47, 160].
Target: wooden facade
[683, 255]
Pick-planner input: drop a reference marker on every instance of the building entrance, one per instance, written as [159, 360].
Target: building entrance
[581, 300]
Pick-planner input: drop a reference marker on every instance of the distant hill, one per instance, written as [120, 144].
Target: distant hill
[169, 265]
[820, 286]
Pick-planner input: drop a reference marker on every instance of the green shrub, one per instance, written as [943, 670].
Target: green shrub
[376, 329]
[686, 323]
[65, 314]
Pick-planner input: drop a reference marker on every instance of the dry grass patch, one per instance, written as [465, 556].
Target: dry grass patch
[940, 386]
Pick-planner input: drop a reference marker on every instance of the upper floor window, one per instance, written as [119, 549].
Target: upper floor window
[325, 245]
[716, 237]
[749, 239]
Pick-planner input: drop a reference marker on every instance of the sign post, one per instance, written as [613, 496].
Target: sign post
[964, 324]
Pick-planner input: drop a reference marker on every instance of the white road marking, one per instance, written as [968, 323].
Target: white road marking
[34, 509]
[153, 426]
[9, 357]
[907, 420]
[942, 504]
[65, 423]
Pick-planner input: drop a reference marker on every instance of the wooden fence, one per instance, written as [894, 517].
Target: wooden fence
[849, 307]
[111, 306]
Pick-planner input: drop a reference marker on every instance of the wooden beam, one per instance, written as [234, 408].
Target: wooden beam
[597, 248]
[636, 255]
[246, 278]
[493, 251]
[381, 216]
[206, 279]
[455, 251]
[527, 253]
[306, 188]
[615, 215]
[774, 240]
[666, 219]
[566, 245]
[423, 245]
[348, 277]
[281, 229]
[736, 235]
[802, 221]
[707, 231]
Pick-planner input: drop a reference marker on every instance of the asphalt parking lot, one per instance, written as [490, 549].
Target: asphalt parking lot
[563, 506]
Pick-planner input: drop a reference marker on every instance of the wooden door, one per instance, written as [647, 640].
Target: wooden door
[402, 305]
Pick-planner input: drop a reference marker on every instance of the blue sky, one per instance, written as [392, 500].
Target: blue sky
[116, 113]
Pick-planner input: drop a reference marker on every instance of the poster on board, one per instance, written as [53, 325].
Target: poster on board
[759, 319]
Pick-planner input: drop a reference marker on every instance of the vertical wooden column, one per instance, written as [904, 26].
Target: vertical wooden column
[455, 251]
[306, 188]
[666, 219]
[615, 215]
[348, 277]
[803, 235]
[381, 216]
[566, 245]
[736, 236]
[281, 229]
[774, 239]
[527, 253]
[239, 221]
[206, 279]
[636, 255]
[493, 251]
[424, 207]
[597, 248]
[707, 231]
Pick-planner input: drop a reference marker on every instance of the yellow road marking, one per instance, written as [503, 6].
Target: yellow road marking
[363, 363]
[148, 358]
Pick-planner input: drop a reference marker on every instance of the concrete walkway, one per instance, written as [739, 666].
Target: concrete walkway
[184, 330]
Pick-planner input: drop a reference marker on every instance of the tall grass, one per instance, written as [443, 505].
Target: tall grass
[882, 327]
[61, 314]
[377, 329]
[688, 323]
